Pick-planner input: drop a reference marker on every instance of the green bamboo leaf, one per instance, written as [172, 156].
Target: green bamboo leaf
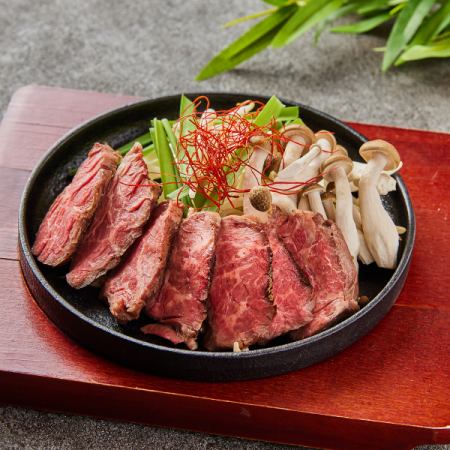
[278, 3]
[253, 16]
[371, 6]
[433, 25]
[440, 49]
[405, 27]
[394, 11]
[340, 12]
[364, 25]
[247, 45]
[305, 18]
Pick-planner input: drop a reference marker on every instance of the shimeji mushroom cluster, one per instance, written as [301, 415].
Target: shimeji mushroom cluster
[366, 226]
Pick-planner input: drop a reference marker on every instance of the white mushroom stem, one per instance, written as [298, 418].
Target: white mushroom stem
[313, 167]
[364, 254]
[344, 211]
[296, 173]
[292, 152]
[330, 210]
[336, 169]
[301, 171]
[316, 204]
[379, 229]
[303, 203]
[296, 168]
[357, 216]
[252, 174]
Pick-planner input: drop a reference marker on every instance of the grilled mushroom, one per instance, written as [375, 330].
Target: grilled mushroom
[261, 199]
[336, 168]
[252, 173]
[379, 229]
[339, 150]
[295, 173]
[303, 169]
[386, 183]
[299, 138]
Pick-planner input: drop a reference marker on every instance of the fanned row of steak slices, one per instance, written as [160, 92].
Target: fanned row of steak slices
[233, 282]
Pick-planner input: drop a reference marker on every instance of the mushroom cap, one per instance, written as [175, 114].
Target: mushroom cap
[260, 198]
[370, 148]
[323, 134]
[261, 142]
[328, 195]
[315, 187]
[339, 150]
[293, 130]
[333, 162]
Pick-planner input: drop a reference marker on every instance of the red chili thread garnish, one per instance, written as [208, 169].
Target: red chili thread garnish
[214, 149]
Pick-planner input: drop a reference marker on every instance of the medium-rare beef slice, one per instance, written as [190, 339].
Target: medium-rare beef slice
[240, 299]
[319, 249]
[70, 214]
[292, 292]
[119, 220]
[139, 276]
[180, 306]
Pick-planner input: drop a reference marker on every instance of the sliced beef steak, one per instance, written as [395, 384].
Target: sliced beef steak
[70, 214]
[180, 306]
[119, 220]
[319, 249]
[292, 292]
[240, 303]
[139, 276]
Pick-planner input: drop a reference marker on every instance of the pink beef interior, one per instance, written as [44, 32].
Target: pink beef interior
[181, 303]
[240, 306]
[319, 249]
[138, 278]
[118, 222]
[70, 214]
[292, 292]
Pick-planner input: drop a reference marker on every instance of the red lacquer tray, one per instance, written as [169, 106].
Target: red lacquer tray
[389, 390]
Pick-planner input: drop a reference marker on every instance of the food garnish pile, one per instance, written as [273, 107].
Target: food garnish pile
[226, 228]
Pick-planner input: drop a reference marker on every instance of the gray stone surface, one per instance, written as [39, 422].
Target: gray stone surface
[156, 47]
